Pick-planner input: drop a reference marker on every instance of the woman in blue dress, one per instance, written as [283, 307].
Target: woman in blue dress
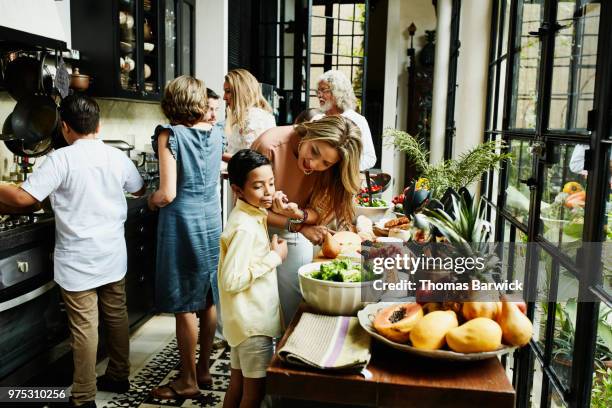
[189, 228]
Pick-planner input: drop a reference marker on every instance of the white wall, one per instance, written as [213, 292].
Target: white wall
[423, 15]
[211, 44]
[391, 162]
[470, 101]
[401, 14]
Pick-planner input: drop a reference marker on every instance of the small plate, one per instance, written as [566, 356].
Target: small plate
[366, 316]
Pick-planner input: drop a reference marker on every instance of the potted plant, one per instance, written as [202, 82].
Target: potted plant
[452, 173]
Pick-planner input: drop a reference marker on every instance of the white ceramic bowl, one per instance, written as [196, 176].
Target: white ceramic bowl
[373, 213]
[335, 298]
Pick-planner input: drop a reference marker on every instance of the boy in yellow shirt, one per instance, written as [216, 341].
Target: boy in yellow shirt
[248, 290]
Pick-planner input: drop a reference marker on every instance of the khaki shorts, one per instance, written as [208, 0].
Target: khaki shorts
[252, 356]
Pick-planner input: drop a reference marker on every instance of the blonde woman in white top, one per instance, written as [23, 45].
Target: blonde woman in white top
[248, 113]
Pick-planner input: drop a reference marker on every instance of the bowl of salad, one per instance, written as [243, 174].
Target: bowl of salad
[335, 287]
[374, 209]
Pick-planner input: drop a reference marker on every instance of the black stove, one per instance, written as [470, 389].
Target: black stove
[15, 221]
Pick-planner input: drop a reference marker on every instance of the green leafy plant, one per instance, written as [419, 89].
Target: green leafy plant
[466, 229]
[565, 316]
[453, 173]
[464, 226]
[601, 394]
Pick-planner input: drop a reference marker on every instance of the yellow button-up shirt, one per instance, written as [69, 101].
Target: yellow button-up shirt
[248, 288]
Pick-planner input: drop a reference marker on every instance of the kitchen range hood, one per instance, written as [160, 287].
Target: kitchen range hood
[33, 24]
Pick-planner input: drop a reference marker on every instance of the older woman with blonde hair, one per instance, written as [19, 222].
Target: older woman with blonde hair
[316, 167]
[248, 113]
[336, 97]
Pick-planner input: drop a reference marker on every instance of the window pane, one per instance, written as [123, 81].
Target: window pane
[574, 65]
[318, 48]
[506, 12]
[536, 388]
[500, 98]
[527, 61]
[186, 36]
[607, 226]
[170, 40]
[318, 11]
[545, 269]
[517, 193]
[564, 196]
[603, 347]
[318, 24]
[563, 341]
[346, 27]
[557, 400]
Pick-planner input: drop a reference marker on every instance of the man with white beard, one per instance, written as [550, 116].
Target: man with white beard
[336, 97]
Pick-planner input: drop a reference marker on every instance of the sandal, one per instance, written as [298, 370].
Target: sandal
[204, 384]
[167, 391]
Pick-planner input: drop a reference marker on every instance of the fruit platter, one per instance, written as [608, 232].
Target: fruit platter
[463, 332]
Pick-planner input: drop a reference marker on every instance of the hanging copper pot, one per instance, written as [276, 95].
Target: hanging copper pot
[78, 81]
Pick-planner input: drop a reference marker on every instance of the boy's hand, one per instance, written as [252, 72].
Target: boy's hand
[279, 246]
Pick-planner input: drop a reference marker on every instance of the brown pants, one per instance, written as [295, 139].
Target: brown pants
[82, 309]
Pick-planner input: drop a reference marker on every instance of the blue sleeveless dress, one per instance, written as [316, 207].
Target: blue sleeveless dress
[189, 228]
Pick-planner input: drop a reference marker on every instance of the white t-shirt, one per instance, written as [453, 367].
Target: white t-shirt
[85, 183]
[258, 121]
[368, 154]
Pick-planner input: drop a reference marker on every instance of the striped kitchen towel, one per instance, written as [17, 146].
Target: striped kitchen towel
[328, 342]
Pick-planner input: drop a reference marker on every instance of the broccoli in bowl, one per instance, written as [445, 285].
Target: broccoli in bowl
[341, 270]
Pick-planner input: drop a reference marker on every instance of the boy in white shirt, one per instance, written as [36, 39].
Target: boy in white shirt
[85, 183]
[248, 288]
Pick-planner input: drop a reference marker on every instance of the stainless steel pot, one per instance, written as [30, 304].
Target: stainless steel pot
[121, 145]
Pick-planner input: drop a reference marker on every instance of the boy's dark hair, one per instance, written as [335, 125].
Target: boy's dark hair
[210, 94]
[241, 164]
[81, 113]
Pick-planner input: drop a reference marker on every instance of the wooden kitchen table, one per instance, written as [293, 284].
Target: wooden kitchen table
[398, 380]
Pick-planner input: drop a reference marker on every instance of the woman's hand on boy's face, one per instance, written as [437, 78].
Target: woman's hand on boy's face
[314, 233]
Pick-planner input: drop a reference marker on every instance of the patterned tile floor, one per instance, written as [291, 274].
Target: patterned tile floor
[154, 359]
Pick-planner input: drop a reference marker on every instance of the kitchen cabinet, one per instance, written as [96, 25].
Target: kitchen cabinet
[140, 237]
[132, 48]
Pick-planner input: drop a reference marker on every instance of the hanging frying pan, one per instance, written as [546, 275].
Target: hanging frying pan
[19, 148]
[22, 77]
[34, 118]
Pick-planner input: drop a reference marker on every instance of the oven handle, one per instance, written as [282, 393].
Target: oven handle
[26, 297]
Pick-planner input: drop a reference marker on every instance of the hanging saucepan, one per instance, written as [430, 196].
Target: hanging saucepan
[22, 77]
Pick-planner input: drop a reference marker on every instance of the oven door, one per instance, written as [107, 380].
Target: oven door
[30, 324]
[31, 319]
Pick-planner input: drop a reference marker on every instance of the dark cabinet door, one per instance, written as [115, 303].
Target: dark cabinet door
[140, 236]
[132, 47]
